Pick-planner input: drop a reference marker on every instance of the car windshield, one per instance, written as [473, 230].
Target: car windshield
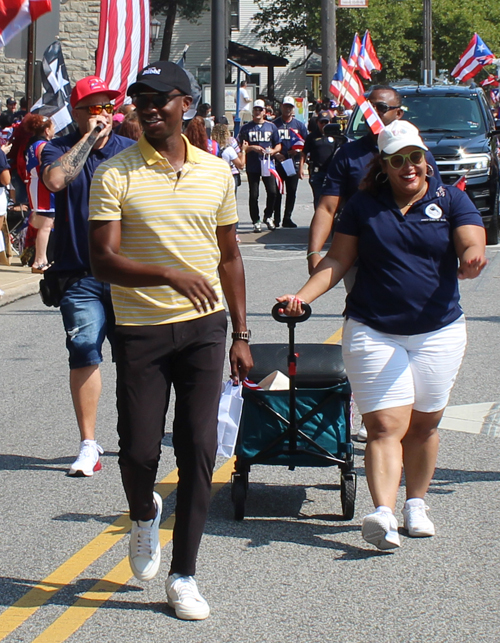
[459, 115]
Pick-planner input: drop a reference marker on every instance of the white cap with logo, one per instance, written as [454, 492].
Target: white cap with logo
[259, 103]
[289, 100]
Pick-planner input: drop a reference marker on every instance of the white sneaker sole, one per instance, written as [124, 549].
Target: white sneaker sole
[153, 570]
[420, 533]
[81, 473]
[375, 533]
[189, 614]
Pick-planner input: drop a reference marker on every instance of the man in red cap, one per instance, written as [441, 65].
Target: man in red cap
[68, 165]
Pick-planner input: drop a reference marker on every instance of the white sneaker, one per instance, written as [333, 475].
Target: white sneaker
[416, 521]
[88, 459]
[144, 550]
[270, 224]
[184, 597]
[362, 434]
[257, 227]
[381, 529]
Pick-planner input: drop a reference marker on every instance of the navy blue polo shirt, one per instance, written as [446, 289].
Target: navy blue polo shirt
[284, 133]
[264, 134]
[71, 227]
[350, 164]
[406, 282]
[4, 163]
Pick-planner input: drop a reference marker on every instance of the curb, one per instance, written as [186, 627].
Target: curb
[19, 292]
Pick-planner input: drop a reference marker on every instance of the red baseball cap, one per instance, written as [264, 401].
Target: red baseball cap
[88, 86]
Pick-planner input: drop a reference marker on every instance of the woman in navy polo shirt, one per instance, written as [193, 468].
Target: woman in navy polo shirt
[404, 332]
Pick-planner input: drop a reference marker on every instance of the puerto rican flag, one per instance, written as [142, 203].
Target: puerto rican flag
[251, 385]
[274, 172]
[352, 61]
[371, 117]
[296, 139]
[16, 15]
[345, 85]
[123, 44]
[474, 58]
[491, 81]
[367, 59]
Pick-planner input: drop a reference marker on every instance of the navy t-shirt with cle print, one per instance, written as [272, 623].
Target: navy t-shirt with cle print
[284, 133]
[264, 134]
[406, 282]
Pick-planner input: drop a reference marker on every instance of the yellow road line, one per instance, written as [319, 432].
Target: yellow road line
[335, 338]
[77, 614]
[22, 609]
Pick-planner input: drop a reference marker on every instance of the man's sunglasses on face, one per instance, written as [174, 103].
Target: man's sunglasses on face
[159, 100]
[96, 110]
[383, 108]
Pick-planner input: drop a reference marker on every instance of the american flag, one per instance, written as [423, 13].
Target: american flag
[296, 139]
[371, 117]
[16, 15]
[367, 59]
[56, 89]
[123, 45]
[474, 58]
[345, 85]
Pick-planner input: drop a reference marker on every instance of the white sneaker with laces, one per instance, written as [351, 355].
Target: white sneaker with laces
[270, 224]
[416, 521]
[184, 597]
[88, 459]
[381, 529]
[144, 551]
[362, 434]
[257, 227]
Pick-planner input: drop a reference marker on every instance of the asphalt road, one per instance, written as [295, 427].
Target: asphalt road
[292, 570]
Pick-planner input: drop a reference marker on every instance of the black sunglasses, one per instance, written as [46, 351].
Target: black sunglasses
[383, 108]
[159, 100]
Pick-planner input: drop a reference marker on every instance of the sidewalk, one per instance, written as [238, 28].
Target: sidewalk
[17, 281]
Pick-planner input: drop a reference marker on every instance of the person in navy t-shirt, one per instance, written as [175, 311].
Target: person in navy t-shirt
[263, 139]
[68, 165]
[347, 169]
[404, 333]
[291, 132]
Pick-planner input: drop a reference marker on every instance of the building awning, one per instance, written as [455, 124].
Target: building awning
[254, 57]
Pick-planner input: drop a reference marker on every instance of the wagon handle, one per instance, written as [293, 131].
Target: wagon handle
[279, 315]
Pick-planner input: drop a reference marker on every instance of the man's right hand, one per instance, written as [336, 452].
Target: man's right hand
[106, 124]
[195, 287]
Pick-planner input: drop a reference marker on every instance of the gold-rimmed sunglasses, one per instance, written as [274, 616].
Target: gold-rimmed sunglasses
[397, 161]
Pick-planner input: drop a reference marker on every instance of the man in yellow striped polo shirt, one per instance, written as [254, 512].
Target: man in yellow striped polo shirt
[163, 233]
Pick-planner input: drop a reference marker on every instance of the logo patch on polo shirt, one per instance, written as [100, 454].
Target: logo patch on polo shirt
[433, 211]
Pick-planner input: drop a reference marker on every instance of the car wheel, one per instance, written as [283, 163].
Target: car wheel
[493, 228]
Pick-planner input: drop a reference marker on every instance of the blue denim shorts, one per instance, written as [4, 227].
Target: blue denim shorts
[88, 319]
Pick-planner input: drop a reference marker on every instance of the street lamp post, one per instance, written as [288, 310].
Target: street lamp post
[328, 44]
[428, 72]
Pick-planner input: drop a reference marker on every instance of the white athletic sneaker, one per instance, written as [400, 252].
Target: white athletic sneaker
[362, 434]
[416, 521]
[88, 459]
[184, 597]
[144, 550]
[269, 223]
[257, 227]
[381, 529]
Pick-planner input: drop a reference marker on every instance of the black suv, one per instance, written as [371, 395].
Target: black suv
[458, 127]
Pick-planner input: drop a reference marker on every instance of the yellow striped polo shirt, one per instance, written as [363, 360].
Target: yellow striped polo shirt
[165, 219]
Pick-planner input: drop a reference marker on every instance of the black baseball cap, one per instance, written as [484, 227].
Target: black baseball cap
[11, 101]
[324, 116]
[161, 76]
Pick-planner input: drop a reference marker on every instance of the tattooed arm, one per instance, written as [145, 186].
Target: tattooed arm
[66, 168]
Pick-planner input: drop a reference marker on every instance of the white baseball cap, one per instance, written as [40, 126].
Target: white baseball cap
[397, 135]
[259, 103]
[288, 100]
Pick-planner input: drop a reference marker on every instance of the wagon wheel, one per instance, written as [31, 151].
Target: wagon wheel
[348, 494]
[239, 488]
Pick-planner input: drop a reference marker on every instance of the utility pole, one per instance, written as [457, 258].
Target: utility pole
[427, 66]
[218, 68]
[328, 44]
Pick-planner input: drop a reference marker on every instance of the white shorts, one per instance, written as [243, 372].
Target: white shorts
[387, 371]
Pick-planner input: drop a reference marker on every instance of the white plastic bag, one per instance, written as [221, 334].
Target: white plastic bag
[289, 166]
[230, 407]
[265, 165]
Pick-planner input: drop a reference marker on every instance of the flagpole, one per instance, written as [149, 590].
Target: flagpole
[328, 44]
[30, 64]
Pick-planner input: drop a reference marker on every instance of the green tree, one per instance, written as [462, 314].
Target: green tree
[395, 26]
[189, 9]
